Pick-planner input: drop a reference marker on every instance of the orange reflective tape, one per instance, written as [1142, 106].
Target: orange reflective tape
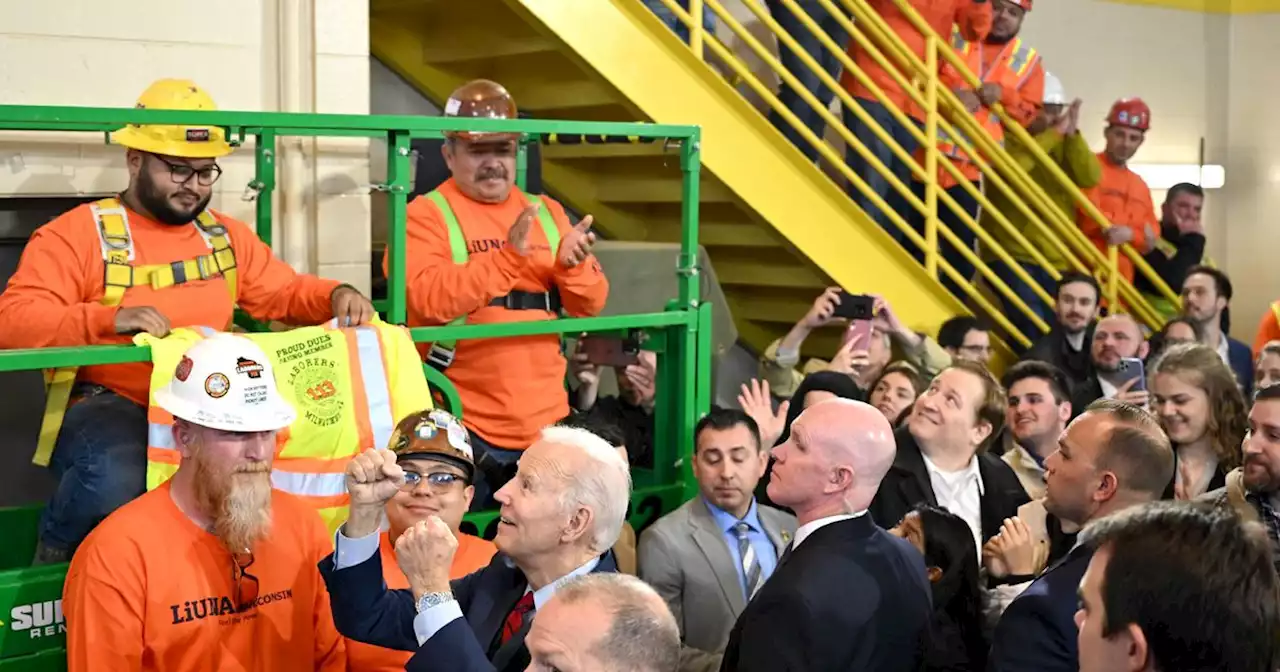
[358, 395]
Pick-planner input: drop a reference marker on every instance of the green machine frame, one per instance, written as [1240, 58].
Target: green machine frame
[32, 631]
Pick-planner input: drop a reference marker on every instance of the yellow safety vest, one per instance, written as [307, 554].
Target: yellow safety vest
[349, 386]
[120, 273]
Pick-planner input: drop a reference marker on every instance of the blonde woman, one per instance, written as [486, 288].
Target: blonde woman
[1201, 408]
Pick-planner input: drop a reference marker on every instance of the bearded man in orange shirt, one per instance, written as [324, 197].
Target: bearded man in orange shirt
[1122, 195]
[480, 251]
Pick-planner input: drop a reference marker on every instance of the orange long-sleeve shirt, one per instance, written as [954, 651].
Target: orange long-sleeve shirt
[973, 18]
[149, 590]
[53, 298]
[473, 555]
[1125, 199]
[510, 387]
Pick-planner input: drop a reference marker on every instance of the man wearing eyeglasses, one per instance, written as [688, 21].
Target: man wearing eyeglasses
[434, 451]
[214, 569]
[152, 259]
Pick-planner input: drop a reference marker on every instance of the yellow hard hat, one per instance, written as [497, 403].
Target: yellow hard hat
[192, 142]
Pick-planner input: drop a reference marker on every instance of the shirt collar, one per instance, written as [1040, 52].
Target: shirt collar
[725, 520]
[1108, 390]
[542, 595]
[1224, 349]
[812, 526]
[1028, 459]
[964, 475]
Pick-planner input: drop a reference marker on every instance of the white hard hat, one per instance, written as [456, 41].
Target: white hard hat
[225, 382]
[1054, 94]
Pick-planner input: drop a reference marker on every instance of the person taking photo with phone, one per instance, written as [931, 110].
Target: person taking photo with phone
[869, 341]
[1117, 352]
[631, 409]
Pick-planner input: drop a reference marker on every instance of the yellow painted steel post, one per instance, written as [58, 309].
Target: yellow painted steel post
[695, 27]
[931, 158]
[1113, 281]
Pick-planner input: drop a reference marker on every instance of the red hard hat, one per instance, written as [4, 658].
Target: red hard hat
[1024, 4]
[1131, 112]
[481, 99]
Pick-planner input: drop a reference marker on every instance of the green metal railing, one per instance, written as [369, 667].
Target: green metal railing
[681, 333]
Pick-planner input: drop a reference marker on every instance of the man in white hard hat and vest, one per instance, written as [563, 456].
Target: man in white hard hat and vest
[479, 250]
[151, 259]
[214, 565]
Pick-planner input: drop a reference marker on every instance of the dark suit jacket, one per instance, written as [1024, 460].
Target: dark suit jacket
[364, 610]
[1053, 348]
[850, 597]
[1038, 630]
[1241, 358]
[1084, 394]
[907, 484]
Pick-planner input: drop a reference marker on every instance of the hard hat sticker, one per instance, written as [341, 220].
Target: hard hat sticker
[255, 394]
[451, 107]
[458, 439]
[197, 135]
[217, 385]
[425, 430]
[184, 369]
[248, 367]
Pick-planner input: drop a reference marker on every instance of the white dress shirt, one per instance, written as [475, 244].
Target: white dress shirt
[959, 492]
[812, 526]
[349, 552]
[1108, 390]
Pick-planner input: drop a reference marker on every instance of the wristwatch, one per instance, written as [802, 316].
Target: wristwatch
[429, 600]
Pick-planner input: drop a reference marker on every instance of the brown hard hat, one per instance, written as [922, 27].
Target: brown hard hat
[481, 99]
[433, 435]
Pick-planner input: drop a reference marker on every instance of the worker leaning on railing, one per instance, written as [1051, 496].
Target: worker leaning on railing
[1122, 195]
[1056, 131]
[480, 251]
[150, 260]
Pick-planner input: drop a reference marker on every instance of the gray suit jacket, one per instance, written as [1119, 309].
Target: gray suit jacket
[684, 556]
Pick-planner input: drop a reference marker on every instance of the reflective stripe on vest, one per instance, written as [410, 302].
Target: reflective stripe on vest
[1019, 59]
[350, 386]
[458, 240]
[111, 220]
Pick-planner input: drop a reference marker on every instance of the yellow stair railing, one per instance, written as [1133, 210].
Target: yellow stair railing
[918, 78]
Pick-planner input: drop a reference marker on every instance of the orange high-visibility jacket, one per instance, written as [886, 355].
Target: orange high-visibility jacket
[1125, 199]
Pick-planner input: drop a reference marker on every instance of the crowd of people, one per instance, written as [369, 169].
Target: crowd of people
[1109, 504]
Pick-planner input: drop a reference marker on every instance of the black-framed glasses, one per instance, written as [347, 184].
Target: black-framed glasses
[440, 481]
[246, 583]
[181, 173]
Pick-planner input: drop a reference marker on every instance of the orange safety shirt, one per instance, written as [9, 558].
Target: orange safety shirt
[1268, 328]
[150, 590]
[1016, 67]
[473, 555]
[973, 19]
[53, 298]
[1125, 199]
[510, 387]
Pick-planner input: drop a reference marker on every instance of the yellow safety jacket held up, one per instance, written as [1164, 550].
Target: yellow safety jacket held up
[349, 386]
[120, 274]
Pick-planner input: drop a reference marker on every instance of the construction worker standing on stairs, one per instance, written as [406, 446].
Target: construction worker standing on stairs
[480, 251]
[151, 259]
[1010, 74]
[1122, 195]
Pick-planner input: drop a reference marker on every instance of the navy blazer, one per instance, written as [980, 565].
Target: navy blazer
[1038, 629]
[366, 611]
[851, 597]
[1240, 357]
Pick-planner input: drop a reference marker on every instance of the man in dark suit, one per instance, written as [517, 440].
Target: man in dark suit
[846, 595]
[560, 515]
[1112, 457]
[1116, 338]
[1066, 346]
[941, 458]
[1206, 295]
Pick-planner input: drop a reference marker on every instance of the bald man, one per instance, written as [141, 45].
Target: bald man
[1117, 341]
[846, 594]
[605, 623]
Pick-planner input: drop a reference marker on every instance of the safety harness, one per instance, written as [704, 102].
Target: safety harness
[119, 274]
[442, 353]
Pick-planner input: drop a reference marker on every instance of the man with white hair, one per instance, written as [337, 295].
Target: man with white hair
[605, 623]
[213, 565]
[846, 594]
[559, 517]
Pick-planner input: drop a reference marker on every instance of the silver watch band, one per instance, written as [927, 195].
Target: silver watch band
[429, 600]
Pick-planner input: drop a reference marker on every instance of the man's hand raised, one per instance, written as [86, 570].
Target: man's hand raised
[576, 245]
[373, 478]
[518, 235]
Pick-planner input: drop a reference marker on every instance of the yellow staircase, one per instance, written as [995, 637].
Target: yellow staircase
[776, 228]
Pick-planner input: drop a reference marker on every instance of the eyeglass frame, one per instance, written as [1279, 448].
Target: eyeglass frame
[412, 479]
[175, 168]
[240, 564]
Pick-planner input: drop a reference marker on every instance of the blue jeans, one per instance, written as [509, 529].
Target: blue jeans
[668, 17]
[494, 467]
[1025, 292]
[808, 79]
[100, 461]
[874, 179]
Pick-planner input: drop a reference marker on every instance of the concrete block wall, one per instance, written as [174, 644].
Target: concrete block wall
[104, 53]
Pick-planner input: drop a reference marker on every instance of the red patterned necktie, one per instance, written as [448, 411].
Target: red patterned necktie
[515, 619]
